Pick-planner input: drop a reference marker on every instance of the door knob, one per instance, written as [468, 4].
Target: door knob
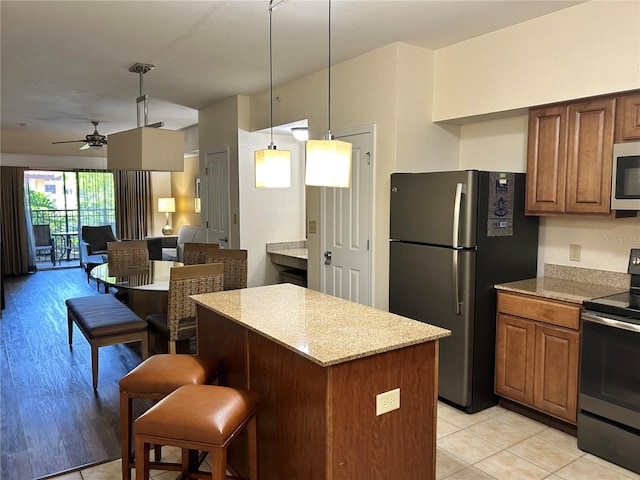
[327, 257]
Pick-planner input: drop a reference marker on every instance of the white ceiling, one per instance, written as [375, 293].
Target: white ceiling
[65, 63]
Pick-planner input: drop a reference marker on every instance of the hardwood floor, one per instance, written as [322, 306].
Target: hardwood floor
[50, 417]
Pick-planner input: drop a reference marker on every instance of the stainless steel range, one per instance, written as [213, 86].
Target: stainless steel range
[609, 400]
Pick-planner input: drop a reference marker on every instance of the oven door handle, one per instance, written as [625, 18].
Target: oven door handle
[589, 317]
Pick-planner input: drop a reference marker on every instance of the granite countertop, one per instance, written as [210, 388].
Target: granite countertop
[325, 329]
[289, 254]
[559, 289]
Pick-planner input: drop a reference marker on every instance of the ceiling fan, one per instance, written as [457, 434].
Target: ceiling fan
[93, 140]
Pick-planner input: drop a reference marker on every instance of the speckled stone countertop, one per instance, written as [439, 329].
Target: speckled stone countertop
[325, 329]
[290, 254]
[559, 289]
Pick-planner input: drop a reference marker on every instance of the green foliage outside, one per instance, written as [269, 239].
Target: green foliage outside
[40, 201]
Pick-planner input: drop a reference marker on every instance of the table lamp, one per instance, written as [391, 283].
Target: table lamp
[166, 206]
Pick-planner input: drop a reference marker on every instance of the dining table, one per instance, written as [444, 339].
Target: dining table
[147, 286]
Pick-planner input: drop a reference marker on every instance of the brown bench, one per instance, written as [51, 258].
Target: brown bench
[103, 320]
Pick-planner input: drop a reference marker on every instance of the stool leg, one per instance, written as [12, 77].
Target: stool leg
[126, 418]
[94, 366]
[142, 459]
[218, 464]
[252, 435]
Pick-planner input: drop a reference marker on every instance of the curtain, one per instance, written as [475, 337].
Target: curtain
[134, 208]
[14, 234]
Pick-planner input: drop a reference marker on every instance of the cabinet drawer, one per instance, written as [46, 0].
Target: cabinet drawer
[540, 309]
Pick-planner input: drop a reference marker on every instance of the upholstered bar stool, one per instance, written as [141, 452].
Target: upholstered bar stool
[154, 379]
[198, 417]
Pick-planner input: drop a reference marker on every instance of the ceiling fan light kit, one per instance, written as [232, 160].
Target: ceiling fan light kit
[146, 147]
[95, 141]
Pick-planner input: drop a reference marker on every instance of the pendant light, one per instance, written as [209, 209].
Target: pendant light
[146, 147]
[328, 160]
[272, 167]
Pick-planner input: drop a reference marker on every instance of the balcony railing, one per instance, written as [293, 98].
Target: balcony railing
[65, 226]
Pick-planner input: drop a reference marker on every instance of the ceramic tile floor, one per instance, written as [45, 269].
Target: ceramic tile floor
[492, 444]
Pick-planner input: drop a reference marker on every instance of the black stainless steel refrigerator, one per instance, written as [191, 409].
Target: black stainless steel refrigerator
[454, 235]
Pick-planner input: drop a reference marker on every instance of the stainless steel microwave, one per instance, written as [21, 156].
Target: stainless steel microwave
[625, 176]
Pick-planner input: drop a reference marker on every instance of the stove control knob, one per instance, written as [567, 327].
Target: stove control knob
[635, 260]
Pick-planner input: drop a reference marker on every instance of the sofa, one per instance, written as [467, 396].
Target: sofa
[173, 245]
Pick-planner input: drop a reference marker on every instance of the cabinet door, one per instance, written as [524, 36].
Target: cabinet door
[515, 339]
[555, 389]
[590, 147]
[546, 160]
[628, 117]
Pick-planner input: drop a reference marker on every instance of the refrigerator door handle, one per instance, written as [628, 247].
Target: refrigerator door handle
[456, 282]
[460, 189]
[457, 201]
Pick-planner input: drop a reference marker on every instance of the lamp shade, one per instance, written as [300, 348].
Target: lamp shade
[146, 148]
[328, 163]
[166, 205]
[272, 168]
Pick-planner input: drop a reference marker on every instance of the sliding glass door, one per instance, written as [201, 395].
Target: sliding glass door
[65, 201]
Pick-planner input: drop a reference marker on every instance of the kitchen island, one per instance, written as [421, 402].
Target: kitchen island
[318, 362]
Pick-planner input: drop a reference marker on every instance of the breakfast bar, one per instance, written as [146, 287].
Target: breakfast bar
[319, 364]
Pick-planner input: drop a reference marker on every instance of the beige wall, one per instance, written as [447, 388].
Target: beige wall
[589, 49]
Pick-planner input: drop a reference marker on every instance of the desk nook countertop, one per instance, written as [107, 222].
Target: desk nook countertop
[320, 365]
[325, 329]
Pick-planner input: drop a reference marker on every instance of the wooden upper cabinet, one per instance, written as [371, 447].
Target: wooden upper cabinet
[589, 156]
[546, 159]
[569, 158]
[628, 118]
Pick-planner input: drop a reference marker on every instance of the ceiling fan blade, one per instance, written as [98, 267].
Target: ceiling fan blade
[84, 147]
[70, 141]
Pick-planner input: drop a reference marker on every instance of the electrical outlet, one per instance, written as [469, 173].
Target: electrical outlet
[387, 401]
[574, 252]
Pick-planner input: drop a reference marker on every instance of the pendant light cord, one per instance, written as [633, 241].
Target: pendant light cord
[272, 146]
[329, 72]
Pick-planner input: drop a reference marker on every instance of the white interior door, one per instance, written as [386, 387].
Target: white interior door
[217, 213]
[346, 223]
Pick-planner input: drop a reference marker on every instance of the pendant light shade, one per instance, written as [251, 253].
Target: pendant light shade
[328, 162]
[272, 167]
[146, 147]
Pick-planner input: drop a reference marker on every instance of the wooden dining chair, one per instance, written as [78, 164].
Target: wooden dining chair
[179, 322]
[196, 253]
[235, 266]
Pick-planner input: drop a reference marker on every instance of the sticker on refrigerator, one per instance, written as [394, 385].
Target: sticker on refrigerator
[500, 217]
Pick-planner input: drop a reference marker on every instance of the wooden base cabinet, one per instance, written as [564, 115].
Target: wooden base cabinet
[537, 353]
